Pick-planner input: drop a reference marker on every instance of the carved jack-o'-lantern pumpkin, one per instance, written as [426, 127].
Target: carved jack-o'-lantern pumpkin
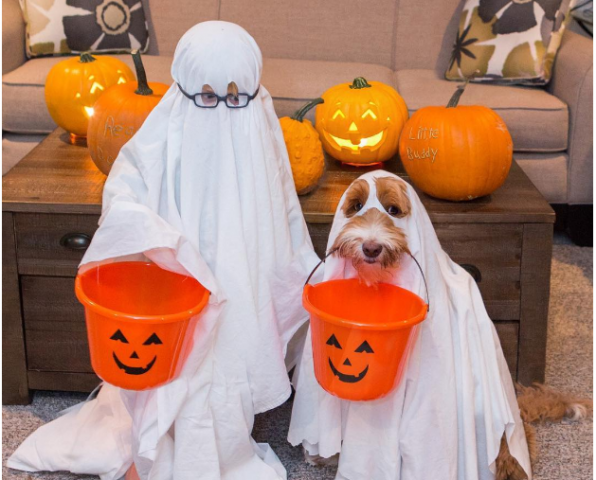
[73, 85]
[360, 123]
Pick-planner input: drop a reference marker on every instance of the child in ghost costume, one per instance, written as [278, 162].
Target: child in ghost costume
[206, 192]
[446, 418]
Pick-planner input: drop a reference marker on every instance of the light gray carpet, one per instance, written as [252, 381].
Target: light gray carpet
[565, 449]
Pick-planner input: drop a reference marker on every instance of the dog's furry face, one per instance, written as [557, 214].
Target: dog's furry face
[371, 240]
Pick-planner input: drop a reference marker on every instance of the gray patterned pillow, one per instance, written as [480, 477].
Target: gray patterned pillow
[65, 26]
[508, 41]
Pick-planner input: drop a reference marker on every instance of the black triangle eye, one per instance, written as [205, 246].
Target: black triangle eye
[364, 347]
[153, 340]
[119, 336]
[333, 342]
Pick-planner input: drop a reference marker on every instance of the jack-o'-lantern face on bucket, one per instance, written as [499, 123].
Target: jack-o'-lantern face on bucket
[135, 364]
[360, 123]
[360, 335]
[353, 370]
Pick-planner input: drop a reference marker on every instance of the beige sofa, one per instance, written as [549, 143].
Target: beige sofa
[313, 44]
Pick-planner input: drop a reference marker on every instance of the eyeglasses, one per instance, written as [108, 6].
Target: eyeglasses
[211, 100]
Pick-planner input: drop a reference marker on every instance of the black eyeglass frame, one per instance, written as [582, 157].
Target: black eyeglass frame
[219, 99]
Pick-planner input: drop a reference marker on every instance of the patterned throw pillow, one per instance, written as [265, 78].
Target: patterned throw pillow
[65, 26]
[508, 41]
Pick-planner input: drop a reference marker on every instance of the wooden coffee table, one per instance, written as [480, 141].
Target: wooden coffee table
[52, 202]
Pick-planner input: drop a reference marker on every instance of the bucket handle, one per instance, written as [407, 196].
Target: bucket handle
[413, 258]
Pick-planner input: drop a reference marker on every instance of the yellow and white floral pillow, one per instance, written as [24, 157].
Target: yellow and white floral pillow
[508, 41]
[65, 26]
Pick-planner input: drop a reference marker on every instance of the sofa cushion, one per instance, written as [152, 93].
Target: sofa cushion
[290, 82]
[330, 30]
[15, 147]
[537, 120]
[497, 42]
[57, 28]
[548, 171]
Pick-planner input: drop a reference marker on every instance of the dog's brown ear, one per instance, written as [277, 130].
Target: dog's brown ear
[393, 195]
[356, 198]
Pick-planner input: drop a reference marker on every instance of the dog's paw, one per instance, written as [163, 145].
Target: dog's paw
[507, 466]
[319, 461]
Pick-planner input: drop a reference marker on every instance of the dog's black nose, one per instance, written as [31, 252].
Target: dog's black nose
[372, 249]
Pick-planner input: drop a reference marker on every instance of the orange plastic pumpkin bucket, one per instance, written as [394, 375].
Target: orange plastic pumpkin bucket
[137, 318]
[361, 336]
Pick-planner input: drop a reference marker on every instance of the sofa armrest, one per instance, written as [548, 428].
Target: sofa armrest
[572, 82]
[13, 36]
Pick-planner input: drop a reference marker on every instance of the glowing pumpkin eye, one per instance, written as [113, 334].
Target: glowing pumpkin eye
[369, 113]
[96, 86]
[338, 113]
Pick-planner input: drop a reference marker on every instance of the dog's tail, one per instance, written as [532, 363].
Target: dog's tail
[539, 403]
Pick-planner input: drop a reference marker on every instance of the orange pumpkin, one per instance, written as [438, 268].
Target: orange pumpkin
[360, 123]
[304, 149]
[119, 113]
[73, 86]
[456, 152]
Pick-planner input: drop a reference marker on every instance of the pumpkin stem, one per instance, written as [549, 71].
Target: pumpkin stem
[299, 114]
[457, 95]
[360, 82]
[143, 85]
[86, 57]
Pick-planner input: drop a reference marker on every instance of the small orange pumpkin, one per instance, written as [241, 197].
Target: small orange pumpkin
[360, 123]
[456, 152]
[119, 113]
[73, 86]
[304, 149]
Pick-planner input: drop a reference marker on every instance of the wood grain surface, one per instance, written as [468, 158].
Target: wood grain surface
[15, 389]
[58, 177]
[509, 336]
[55, 331]
[39, 238]
[535, 284]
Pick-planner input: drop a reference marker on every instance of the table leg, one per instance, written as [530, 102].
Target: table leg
[15, 389]
[535, 291]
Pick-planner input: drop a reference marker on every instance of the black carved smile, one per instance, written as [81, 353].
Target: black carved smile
[134, 370]
[347, 378]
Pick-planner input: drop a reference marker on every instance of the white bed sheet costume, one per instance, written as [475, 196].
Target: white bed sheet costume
[446, 418]
[206, 192]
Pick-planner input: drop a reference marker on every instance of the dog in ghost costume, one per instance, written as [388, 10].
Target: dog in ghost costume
[456, 401]
[206, 192]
